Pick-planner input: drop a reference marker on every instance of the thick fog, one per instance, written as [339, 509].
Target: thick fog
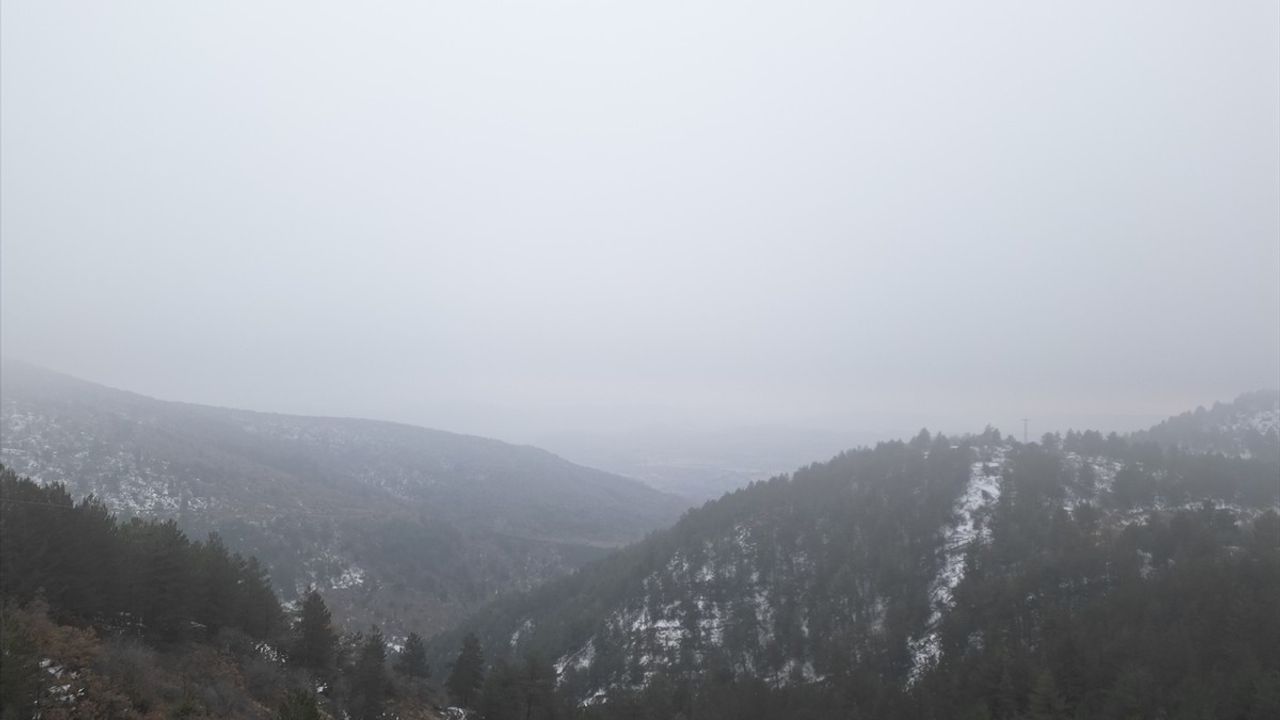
[525, 218]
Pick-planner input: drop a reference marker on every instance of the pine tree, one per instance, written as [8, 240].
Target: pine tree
[500, 697]
[258, 608]
[468, 672]
[20, 676]
[316, 640]
[298, 705]
[91, 567]
[524, 692]
[95, 551]
[413, 659]
[538, 688]
[369, 681]
[216, 603]
[165, 582]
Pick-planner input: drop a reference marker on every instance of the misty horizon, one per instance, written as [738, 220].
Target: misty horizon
[602, 360]
[852, 219]
[701, 438]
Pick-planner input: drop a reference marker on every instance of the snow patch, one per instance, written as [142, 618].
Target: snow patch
[351, 577]
[526, 626]
[268, 652]
[981, 492]
[580, 659]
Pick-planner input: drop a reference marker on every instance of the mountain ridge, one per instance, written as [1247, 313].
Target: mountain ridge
[453, 519]
[858, 561]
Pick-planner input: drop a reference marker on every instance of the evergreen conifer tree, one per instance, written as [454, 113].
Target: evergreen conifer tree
[316, 641]
[216, 603]
[369, 681]
[20, 679]
[413, 659]
[298, 705]
[468, 672]
[165, 578]
[258, 608]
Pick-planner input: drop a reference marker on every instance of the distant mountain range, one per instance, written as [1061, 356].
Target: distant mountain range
[1081, 575]
[886, 562]
[1247, 426]
[703, 464]
[399, 525]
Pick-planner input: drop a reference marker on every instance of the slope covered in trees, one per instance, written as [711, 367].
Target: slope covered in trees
[90, 568]
[133, 620]
[402, 526]
[1248, 425]
[1081, 576]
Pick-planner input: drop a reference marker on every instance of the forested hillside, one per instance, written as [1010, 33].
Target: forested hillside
[402, 526]
[1249, 425]
[133, 620]
[1080, 576]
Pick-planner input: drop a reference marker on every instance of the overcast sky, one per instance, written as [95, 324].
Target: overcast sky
[515, 217]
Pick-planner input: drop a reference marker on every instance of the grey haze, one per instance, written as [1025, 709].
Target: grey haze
[532, 219]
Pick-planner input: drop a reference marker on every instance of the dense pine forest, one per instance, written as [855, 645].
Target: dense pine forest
[603, 360]
[104, 619]
[1099, 577]
[404, 527]
[974, 577]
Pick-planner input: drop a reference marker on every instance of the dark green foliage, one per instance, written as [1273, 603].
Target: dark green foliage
[413, 659]
[457, 520]
[298, 705]
[1046, 702]
[833, 548]
[1194, 636]
[19, 668]
[91, 568]
[154, 597]
[524, 691]
[467, 675]
[1082, 602]
[1063, 617]
[1133, 487]
[1147, 599]
[161, 579]
[369, 678]
[316, 642]
[1218, 429]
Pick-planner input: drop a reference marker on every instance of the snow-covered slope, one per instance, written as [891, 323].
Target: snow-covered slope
[403, 525]
[1246, 426]
[971, 525]
[860, 562]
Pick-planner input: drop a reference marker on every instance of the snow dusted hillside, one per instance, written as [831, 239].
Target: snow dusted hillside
[403, 526]
[1247, 426]
[758, 583]
[971, 525]
[860, 562]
